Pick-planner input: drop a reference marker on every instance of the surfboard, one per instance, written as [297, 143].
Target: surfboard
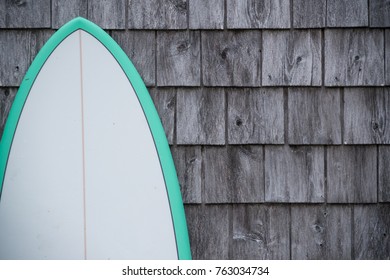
[85, 167]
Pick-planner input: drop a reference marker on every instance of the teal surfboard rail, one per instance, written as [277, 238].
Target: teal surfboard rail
[160, 140]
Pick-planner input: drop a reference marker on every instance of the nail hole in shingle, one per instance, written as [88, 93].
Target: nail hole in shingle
[6, 92]
[224, 53]
[269, 77]
[375, 125]
[299, 59]
[357, 57]
[238, 122]
[17, 69]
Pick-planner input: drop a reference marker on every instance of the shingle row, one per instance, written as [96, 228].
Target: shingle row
[198, 14]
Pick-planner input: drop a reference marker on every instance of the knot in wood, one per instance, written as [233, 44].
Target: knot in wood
[374, 125]
[19, 2]
[182, 46]
[224, 53]
[180, 5]
[299, 59]
[238, 122]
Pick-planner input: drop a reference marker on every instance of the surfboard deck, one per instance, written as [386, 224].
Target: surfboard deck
[85, 167]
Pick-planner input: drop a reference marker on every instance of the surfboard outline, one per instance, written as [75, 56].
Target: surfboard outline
[150, 112]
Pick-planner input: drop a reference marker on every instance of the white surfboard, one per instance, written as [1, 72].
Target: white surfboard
[85, 167]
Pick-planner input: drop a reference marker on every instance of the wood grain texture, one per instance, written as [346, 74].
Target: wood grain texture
[309, 14]
[7, 96]
[216, 175]
[314, 116]
[294, 174]
[208, 228]
[156, 14]
[372, 232]
[38, 39]
[188, 162]
[140, 47]
[206, 14]
[292, 58]
[384, 173]
[231, 58]
[387, 56]
[347, 13]
[380, 13]
[255, 116]
[65, 10]
[108, 14]
[261, 232]
[25, 13]
[321, 232]
[165, 102]
[352, 174]
[354, 57]
[367, 116]
[234, 174]
[255, 14]
[15, 56]
[245, 167]
[178, 58]
[200, 116]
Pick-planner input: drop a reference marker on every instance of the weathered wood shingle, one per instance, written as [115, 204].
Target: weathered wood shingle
[206, 14]
[291, 58]
[321, 232]
[354, 57]
[15, 56]
[314, 116]
[65, 10]
[255, 14]
[7, 96]
[178, 58]
[367, 116]
[261, 232]
[231, 58]
[384, 173]
[108, 14]
[387, 56]
[344, 13]
[303, 8]
[25, 14]
[371, 232]
[352, 174]
[165, 102]
[188, 162]
[379, 13]
[201, 116]
[294, 174]
[255, 116]
[157, 14]
[140, 47]
[208, 228]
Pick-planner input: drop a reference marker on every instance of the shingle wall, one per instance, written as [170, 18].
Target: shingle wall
[277, 112]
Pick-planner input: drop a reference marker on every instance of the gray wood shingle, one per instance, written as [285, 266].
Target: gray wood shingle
[140, 47]
[344, 13]
[387, 56]
[65, 10]
[372, 232]
[25, 14]
[352, 174]
[38, 39]
[255, 14]
[380, 13]
[354, 57]
[384, 173]
[314, 116]
[165, 102]
[15, 56]
[156, 14]
[255, 116]
[231, 58]
[200, 116]
[245, 166]
[321, 232]
[208, 228]
[366, 116]
[261, 232]
[303, 8]
[108, 14]
[178, 58]
[206, 14]
[294, 174]
[291, 58]
[188, 162]
[7, 96]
